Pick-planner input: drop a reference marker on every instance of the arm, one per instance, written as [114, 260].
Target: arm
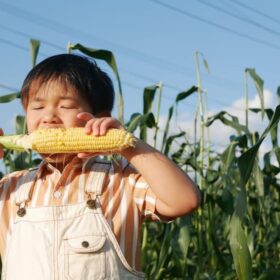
[176, 193]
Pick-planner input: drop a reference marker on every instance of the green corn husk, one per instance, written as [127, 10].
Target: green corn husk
[20, 142]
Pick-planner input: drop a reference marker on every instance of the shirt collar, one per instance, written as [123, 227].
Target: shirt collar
[48, 167]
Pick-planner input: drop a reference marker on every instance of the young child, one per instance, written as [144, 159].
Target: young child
[77, 216]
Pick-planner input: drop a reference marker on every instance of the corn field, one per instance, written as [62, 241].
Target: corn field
[235, 234]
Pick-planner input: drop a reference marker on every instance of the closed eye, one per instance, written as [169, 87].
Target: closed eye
[37, 108]
[67, 107]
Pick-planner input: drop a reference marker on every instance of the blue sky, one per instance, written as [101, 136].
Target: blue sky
[153, 40]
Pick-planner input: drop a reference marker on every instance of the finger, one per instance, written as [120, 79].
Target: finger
[96, 126]
[92, 126]
[89, 125]
[89, 155]
[108, 123]
[86, 116]
[85, 155]
[1, 132]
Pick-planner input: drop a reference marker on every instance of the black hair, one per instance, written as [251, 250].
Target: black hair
[80, 72]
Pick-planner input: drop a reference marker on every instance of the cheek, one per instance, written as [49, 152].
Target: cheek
[70, 119]
[79, 122]
[32, 120]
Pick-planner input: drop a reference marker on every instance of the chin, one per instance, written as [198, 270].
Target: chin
[58, 158]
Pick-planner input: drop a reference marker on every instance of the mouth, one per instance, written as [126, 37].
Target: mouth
[50, 126]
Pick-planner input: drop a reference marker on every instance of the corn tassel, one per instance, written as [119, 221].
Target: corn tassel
[70, 140]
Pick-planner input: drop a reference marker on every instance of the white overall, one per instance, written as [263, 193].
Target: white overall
[64, 242]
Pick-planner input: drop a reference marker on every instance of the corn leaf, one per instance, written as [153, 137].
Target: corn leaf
[148, 99]
[34, 47]
[170, 140]
[20, 125]
[206, 65]
[234, 122]
[138, 119]
[258, 177]
[273, 132]
[239, 249]
[278, 94]
[165, 252]
[9, 97]
[166, 130]
[246, 160]
[184, 94]
[259, 86]
[109, 58]
[228, 156]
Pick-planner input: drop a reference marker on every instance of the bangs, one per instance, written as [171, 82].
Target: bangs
[31, 90]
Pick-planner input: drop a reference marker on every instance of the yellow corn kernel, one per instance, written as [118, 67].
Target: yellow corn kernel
[74, 140]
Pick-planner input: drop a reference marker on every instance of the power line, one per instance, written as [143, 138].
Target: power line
[25, 35]
[29, 16]
[123, 81]
[229, 30]
[220, 81]
[244, 19]
[253, 10]
[7, 42]
[64, 29]
[8, 87]
[10, 43]
[45, 56]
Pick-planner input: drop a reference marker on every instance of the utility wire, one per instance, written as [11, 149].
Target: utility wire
[134, 74]
[152, 60]
[25, 35]
[8, 87]
[70, 31]
[222, 27]
[219, 82]
[242, 18]
[45, 56]
[253, 10]
[7, 42]
[10, 43]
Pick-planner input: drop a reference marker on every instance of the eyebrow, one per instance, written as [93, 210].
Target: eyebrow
[37, 99]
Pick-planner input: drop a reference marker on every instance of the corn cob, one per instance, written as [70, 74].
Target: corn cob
[70, 140]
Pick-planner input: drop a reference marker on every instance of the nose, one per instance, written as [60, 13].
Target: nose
[50, 117]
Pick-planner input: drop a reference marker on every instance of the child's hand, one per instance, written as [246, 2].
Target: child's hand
[1, 149]
[97, 127]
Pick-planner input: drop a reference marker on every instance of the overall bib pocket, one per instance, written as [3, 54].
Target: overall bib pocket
[84, 257]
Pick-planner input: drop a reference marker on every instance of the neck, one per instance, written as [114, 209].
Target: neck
[59, 161]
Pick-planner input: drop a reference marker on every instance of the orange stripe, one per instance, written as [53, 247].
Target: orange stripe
[118, 204]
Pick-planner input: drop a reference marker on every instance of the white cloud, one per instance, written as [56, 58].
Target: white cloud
[220, 133]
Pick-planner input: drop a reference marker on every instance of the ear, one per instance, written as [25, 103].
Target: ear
[103, 114]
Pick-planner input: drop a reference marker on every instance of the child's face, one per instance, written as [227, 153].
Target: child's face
[55, 105]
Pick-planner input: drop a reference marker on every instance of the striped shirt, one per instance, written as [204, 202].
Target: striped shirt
[126, 199]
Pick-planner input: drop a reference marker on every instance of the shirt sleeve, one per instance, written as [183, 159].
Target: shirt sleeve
[143, 196]
[3, 181]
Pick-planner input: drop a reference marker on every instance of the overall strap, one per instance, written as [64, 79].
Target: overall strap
[24, 187]
[96, 178]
